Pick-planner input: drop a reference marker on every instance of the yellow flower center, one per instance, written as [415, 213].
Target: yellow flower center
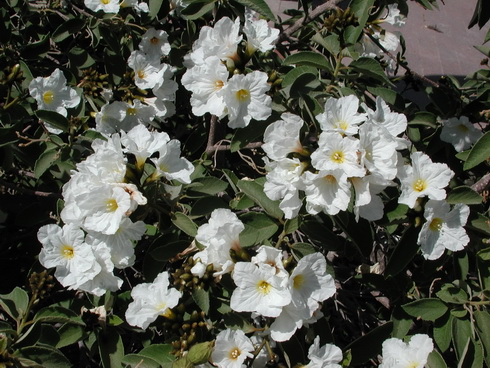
[234, 353]
[67, 251]
[105, 2]
[419, 185]
[342, 124]
[264, 287]
[154, 40]
[161, 306]
[111, 205]
[338, 157]
[436, 224]
[413, 365]
[48, 97]
[463, 128]
[131, 111]
[219, 84]
[141, 74]
[298, 281]
[243, 95]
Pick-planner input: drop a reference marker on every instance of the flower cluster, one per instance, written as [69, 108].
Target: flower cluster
[149, 73]
[241, 97]
[98, 204]
[397, 354]
[355, 151]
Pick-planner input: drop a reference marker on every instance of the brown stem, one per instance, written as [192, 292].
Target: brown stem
[330, 4]
[227, 147]
[481, 184]
[4, 185]
[212, 132]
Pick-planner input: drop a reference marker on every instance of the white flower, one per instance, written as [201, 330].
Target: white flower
[142, 143]
[151, 300]
[147, 71]
[443, 229]
[259, 35]
[397, 354]
[221, 40]
[107, 6]
[109, 119]
[259, 290]
[51, 93]
[327, 356]
[394, 17]
[284, 180]
[219, 236]
[205, 81]
[423, 178]
[271, 257]
[460, 133]
[231, 349]
[338, 152]
[65, 249]
[245, 98]
[327, 191]
[282, 137]
[155, 44]
[171, 165]
[341, 115]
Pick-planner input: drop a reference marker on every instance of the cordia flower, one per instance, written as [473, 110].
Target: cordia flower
[107, 6]
[259, 35]
[327, 356]
[443, 229]
[51, 93]
[65, 248]
[397, 354]
[170, 165]
[231, 349]
[155, 43]
[147, 72]
[282, 137]
[460, 133]
[151, 300]
[423, 178]
[259, 290]
[341, 115]
[245, 98]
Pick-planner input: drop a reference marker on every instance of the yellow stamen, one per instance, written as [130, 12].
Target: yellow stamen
[342, 124]
[105, 2]
[67, 251]
[243, 95]
[331, 179]
[111, 205]
[338, 157]
[218, 85]
[419, 185]
[298, 281]
[234, 353]
[131, 111]
[463, 128]
[436, 224]
[141, 74]
[154, 40]
[264, 287]
[48, 97]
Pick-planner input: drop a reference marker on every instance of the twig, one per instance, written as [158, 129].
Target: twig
[37, 193]
[330, 4]
[227, 147]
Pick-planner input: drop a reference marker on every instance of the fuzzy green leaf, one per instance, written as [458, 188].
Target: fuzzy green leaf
[464, 194]
[479, 153]
[308, 58]
[429, 309]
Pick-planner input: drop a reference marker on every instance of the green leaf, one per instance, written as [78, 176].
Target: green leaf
[481, 223]
[442, 331]
[362, 9]
[482, 319]
[253, 132]
[237, 321]
[161, 353]
[435, 360]
[196, 9]
[44, 355]
[255, 191]
[154, 7]
[371, 68]
[15, 303]
[303, 249]
[184, 223]
[331, 43]
[463, 194]
[56, 314]
[201, 297]
[308, 58]
[295, 73]
[428, 309]
[485, 50]
[168, 250]
[388, 95]
[479, 153]
[401, 322]
[206, 205]
[208, 185]
[291, 225]
[111, 348]
[260, 6]
[139, 361]
[5, 328]
[200, 353]
[68, 28]
[58, 121]
[45, 161]
[424, 118]
[369, 345]
[404, 252]
[452, 294]
[258, 227]
[70, 334]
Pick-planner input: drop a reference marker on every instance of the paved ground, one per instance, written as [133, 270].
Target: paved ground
[438, 41]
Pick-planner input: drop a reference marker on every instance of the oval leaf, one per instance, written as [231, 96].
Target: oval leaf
[308, 58]
[58, 121]
[479, 153]
[464, 194]
[429, 309]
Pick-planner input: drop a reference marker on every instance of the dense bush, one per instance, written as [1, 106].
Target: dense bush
[202, 183]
